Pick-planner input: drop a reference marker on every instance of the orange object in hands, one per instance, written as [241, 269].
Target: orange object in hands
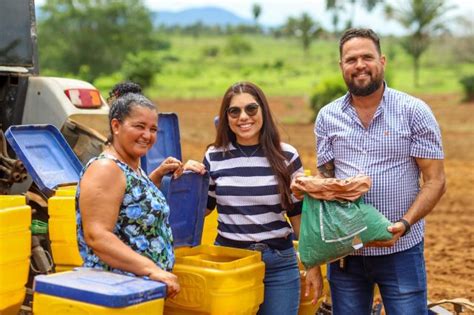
[331, 188]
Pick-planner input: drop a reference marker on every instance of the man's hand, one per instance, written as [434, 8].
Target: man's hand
[397, 229]
[314, 281]
[327, 170]
[299, 194]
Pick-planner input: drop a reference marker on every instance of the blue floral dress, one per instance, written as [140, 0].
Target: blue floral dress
[142, 222]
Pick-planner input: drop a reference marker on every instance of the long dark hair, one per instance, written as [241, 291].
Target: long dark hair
[269, 137]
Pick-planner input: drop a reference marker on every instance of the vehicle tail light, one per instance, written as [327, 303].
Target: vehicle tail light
[84, 98]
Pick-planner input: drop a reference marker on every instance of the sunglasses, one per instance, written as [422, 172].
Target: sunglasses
[250, 109]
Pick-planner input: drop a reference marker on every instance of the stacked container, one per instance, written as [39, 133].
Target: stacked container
[97, 292]
[51, 163]
[15, 248]
[62, 229]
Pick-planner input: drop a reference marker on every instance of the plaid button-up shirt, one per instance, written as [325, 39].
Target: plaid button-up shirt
[403, 128]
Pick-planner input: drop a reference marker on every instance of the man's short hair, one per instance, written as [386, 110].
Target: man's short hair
[362, 33]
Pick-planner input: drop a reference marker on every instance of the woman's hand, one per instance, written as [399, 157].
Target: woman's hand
[195, 166]
[170, 164]
[314, 280]
[169, 279]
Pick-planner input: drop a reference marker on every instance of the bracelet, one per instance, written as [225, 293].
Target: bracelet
[407, 226]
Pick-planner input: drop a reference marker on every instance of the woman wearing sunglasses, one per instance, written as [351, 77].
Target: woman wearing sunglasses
[251, 172]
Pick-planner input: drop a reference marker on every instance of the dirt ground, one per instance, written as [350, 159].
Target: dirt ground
[449, 238]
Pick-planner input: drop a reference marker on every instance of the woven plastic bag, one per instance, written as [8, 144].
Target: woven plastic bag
[334, 229]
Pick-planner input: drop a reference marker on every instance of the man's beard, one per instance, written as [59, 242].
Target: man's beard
[365, 90]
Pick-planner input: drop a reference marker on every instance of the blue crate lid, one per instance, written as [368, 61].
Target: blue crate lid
[47, 156]
[187, 199]
[99, 287]
[167, 142]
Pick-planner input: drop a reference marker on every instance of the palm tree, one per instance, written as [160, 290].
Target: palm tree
[338, 6]
[422, 19]
[304, 27]
[256, 11]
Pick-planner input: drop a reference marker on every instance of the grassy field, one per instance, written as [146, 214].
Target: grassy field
[281, 67]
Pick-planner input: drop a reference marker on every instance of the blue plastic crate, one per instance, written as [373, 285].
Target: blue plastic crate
[47, 156]
[167, 143]
[187, 199]
[99, 287]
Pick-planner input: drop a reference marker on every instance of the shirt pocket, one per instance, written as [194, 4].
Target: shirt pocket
[395, 140]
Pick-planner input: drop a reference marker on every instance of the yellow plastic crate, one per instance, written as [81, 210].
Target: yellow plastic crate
[63, 268]
[66, 190]
[217, 280]
[15, 246]
[10, 302]
[52, 305]
[8, 201]
[13, 276]
[15, 249]
[62, 228]
[209, 232]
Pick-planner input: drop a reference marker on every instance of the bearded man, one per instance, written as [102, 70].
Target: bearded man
[393, 138]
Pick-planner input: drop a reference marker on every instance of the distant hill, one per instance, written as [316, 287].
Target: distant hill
[207, 15]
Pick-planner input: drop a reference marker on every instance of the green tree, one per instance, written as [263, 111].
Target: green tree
[93, 34]
[304, 27]
[336, 7]
[256, 11]
[422, 19]
[141, 67]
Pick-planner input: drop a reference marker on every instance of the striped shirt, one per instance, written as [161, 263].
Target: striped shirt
[245, 190]
[403, 128]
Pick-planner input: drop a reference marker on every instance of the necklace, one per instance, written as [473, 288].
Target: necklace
[243, 152]
[118, 156]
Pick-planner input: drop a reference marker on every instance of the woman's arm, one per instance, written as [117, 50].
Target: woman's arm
[295, 223]
[102, 190]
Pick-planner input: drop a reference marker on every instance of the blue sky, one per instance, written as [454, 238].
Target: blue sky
[275, 12]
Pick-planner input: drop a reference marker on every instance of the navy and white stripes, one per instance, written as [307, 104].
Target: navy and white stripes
[245, 191]
[403, 128]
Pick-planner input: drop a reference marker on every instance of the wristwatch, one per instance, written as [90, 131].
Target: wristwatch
[407, 226]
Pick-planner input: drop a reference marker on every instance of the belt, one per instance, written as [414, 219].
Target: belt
[259, 247]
